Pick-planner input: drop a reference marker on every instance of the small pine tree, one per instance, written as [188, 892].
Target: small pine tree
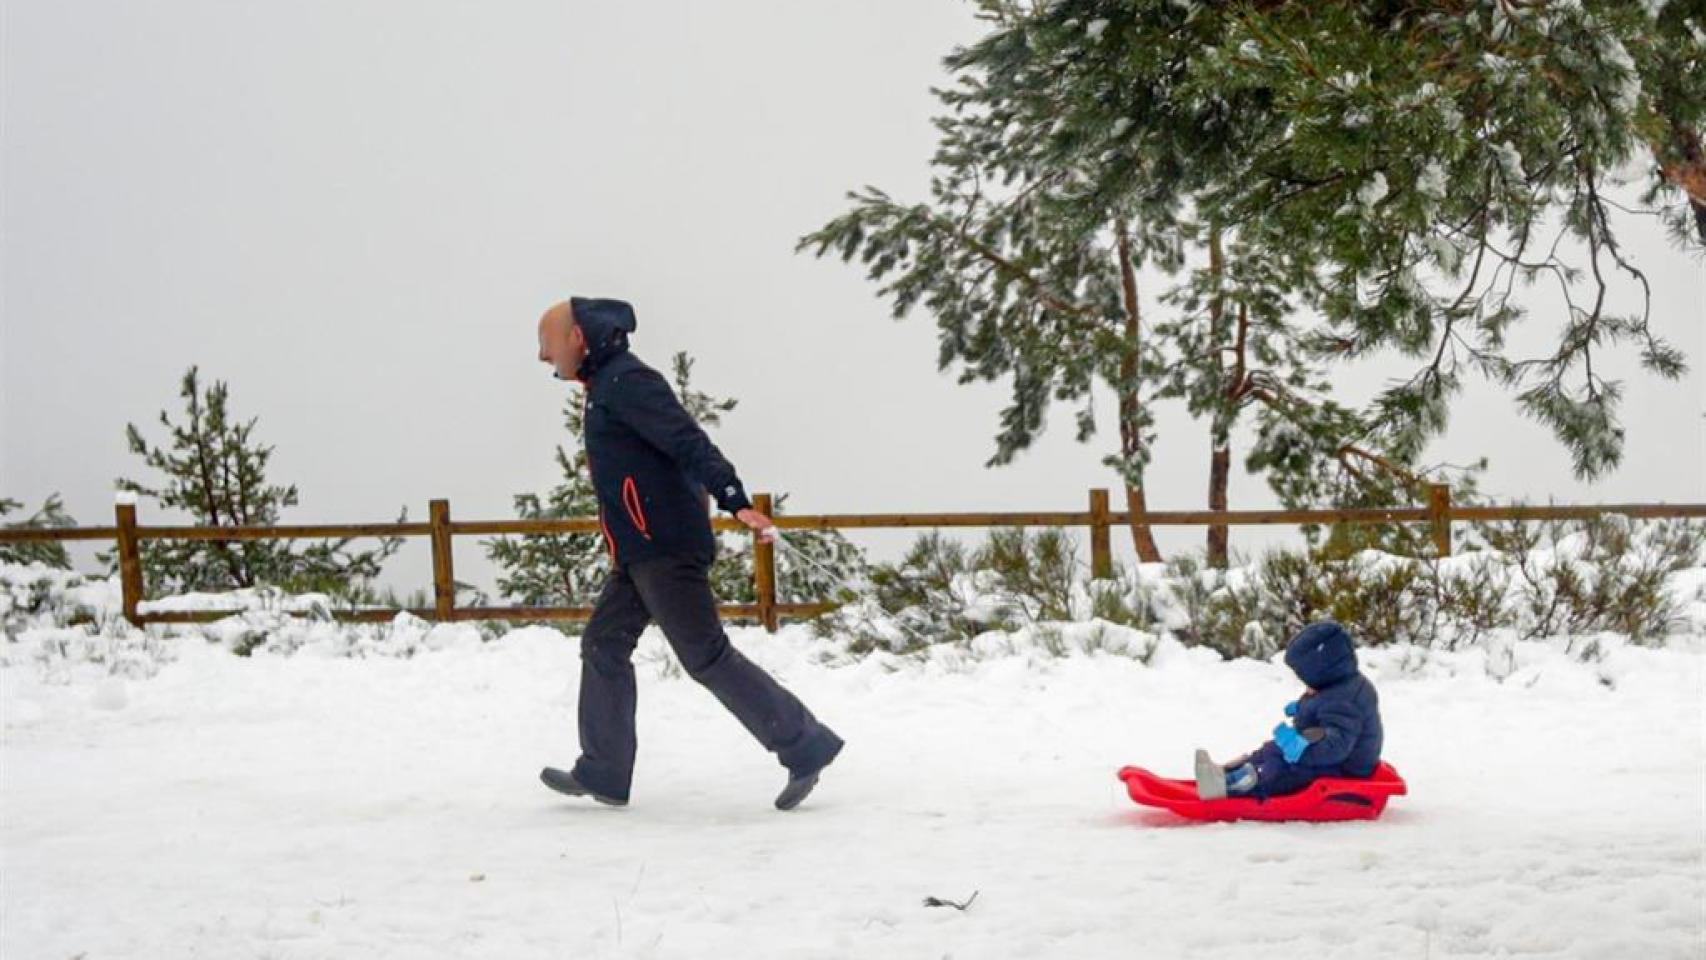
[546, 570]
[51, 514]
[216, 472]
[812, 566]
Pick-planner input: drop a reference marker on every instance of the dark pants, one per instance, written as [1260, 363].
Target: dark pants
[1276, 778]
[675, 592]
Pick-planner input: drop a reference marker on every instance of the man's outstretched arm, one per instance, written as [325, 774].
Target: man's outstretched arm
[644, 401]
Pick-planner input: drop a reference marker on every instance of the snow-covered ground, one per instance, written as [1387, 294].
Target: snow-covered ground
[337, 806]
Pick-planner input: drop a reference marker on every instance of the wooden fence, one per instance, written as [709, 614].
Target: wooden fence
[1099, 519]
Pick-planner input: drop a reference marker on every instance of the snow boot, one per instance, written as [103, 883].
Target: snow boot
[1211, 778]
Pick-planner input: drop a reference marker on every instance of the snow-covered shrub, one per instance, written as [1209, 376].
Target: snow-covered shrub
[1064, 639]
[1249, 611]
[115, 649]
[946, 592]
[1577, 585]
[35, 596]
[925, 599]
[1122, 599]
[1217, 606]
[1547, 580]
[1469, 599]
[64, 623]
[1606, 574]
[1381, 598]
[275, 632]
[1036, 574]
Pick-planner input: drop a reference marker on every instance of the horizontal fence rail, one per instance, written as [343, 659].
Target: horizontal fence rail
[1439, 514]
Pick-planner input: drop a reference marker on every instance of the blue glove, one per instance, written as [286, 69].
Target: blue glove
[1291, 709]
[1290, 742]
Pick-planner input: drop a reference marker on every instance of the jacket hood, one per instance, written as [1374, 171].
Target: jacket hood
[1322, 654]
[605, 324]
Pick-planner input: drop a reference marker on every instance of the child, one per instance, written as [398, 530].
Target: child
[1334, 731]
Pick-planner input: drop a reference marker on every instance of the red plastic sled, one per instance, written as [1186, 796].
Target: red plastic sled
[1326, 799]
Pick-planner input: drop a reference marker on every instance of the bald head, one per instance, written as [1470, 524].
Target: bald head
[560, 341]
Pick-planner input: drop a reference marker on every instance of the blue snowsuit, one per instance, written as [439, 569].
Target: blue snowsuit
[1340, 719]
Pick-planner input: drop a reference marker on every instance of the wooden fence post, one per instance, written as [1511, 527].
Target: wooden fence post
[129, 562]
[764, 568]
[1439, 516]
[1101, 552]
[443, 570]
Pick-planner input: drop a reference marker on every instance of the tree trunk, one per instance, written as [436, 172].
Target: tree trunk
[1131, 429]
[1141, 537]
[1220, 457]
[1219, 470]
[240, 574]
[1682, 161]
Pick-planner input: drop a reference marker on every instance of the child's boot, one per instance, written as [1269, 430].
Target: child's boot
[1211, 778]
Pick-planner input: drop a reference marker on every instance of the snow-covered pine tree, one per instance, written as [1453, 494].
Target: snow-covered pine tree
[1028, 252]
[1236, 346]
[51, 514]
[1407, 165]
[214, 471]
[815, 565]
[1030, 280]
[1393, 168]
[546, 570]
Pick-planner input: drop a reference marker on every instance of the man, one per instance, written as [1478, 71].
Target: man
[651, 467]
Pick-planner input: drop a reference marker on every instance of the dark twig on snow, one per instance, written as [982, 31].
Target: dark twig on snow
[939, 902]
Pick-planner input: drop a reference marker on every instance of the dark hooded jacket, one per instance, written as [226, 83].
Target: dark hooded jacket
[1341, 719]
[651, 463]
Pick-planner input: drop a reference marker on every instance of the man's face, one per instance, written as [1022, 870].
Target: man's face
[561, 344]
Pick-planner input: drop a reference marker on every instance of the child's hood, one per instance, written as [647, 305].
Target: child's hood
[1322, 654]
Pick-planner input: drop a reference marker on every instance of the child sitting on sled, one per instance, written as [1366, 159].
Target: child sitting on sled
[1334, 729]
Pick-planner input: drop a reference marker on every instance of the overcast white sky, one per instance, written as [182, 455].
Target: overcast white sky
[354, 213]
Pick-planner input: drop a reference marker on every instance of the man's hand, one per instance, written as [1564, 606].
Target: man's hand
[765, 527]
